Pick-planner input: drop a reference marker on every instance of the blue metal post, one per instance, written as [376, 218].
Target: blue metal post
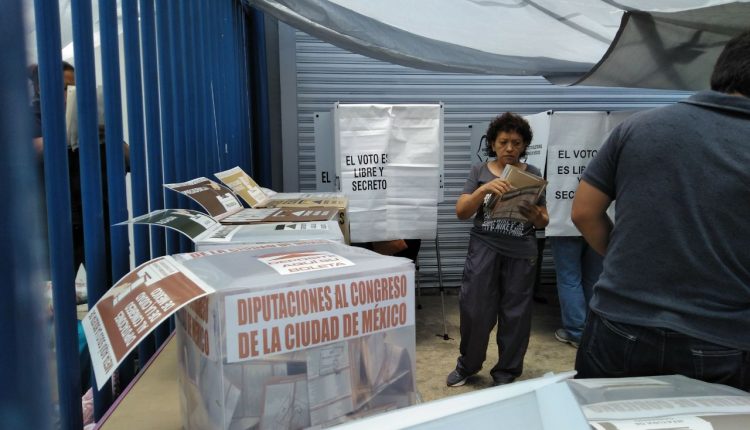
[190, 86]
[231, 93]
[217, 146]
[113, 137]
[181, 108]
[177, 29]
[260, 91]
[114, 153]
[24, 392]
[151, 90]
[232, 90]
[91, 179]
[246, 118]
[240, 19]
[222, 93]
[137, 143]
[203, 82]
[166, 101]
[58, 203]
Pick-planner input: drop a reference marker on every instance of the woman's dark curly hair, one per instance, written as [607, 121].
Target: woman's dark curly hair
[509, 122]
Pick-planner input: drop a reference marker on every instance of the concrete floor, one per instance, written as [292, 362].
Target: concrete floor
[436, 357]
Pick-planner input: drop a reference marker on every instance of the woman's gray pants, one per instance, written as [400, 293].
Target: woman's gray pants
[495, 289]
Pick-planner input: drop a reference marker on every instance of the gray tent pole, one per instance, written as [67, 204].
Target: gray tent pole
[416, 279]
[442, 289]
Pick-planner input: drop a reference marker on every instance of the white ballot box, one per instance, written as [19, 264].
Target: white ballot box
[536, 404]
[207, 233]
[232, 236]
[661, 402]
[295, 335]
[297, 201]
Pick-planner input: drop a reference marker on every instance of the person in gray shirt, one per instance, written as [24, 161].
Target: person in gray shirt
[674, 296]
[498, 278]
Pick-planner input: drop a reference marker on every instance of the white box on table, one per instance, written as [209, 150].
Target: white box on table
[296, 335]
[240, 235]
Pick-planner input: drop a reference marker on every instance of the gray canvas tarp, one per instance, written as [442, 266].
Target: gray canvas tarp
[670, 45]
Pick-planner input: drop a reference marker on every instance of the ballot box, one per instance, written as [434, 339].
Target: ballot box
[297, 201]
[295, 335]
[208, 233]
[239, 235]
[661, 402]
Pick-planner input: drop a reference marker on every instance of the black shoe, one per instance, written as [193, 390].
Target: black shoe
[456, 378]
[502, 380]
[562, 335]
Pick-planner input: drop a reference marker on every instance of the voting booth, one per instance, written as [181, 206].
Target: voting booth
[389, 164]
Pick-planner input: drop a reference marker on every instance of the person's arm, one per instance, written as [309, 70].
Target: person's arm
[39, 146]
[589, 214]
[468, 204]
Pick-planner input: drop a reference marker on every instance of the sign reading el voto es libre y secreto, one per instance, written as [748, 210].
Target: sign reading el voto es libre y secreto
[574, 140]
[368, 171]
[389, 162]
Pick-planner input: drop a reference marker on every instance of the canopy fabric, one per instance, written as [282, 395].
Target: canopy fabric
[670, 44]
[669, 50]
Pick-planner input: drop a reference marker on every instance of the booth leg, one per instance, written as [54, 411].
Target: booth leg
[442, 288]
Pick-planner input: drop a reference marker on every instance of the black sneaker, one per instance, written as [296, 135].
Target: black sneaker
[562, 335]
[456, 378]
[502, 381]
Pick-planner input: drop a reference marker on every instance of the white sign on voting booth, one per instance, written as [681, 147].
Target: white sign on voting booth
[389, 165]
[574, 140]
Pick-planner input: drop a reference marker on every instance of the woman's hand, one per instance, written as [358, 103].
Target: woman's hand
[534, 213]
[497, 186]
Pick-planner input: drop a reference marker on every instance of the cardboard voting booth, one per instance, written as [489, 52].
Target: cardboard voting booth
[271, 336]
[389, 161]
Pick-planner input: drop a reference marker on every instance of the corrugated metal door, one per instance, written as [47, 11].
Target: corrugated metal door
[326, 74]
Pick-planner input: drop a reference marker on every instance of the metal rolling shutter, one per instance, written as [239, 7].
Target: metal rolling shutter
[326, 74]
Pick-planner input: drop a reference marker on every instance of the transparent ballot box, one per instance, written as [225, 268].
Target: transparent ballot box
[661, 402]
[240, 235]
[536, 404]
[296, 335]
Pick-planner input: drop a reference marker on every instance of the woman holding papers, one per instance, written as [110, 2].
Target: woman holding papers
[500, 265]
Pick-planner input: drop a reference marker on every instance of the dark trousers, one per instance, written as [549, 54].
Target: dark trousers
[495, 290]
[76, 206]
[612, 349]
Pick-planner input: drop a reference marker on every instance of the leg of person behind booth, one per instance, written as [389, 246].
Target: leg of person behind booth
[540, 240]
[578, 268]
